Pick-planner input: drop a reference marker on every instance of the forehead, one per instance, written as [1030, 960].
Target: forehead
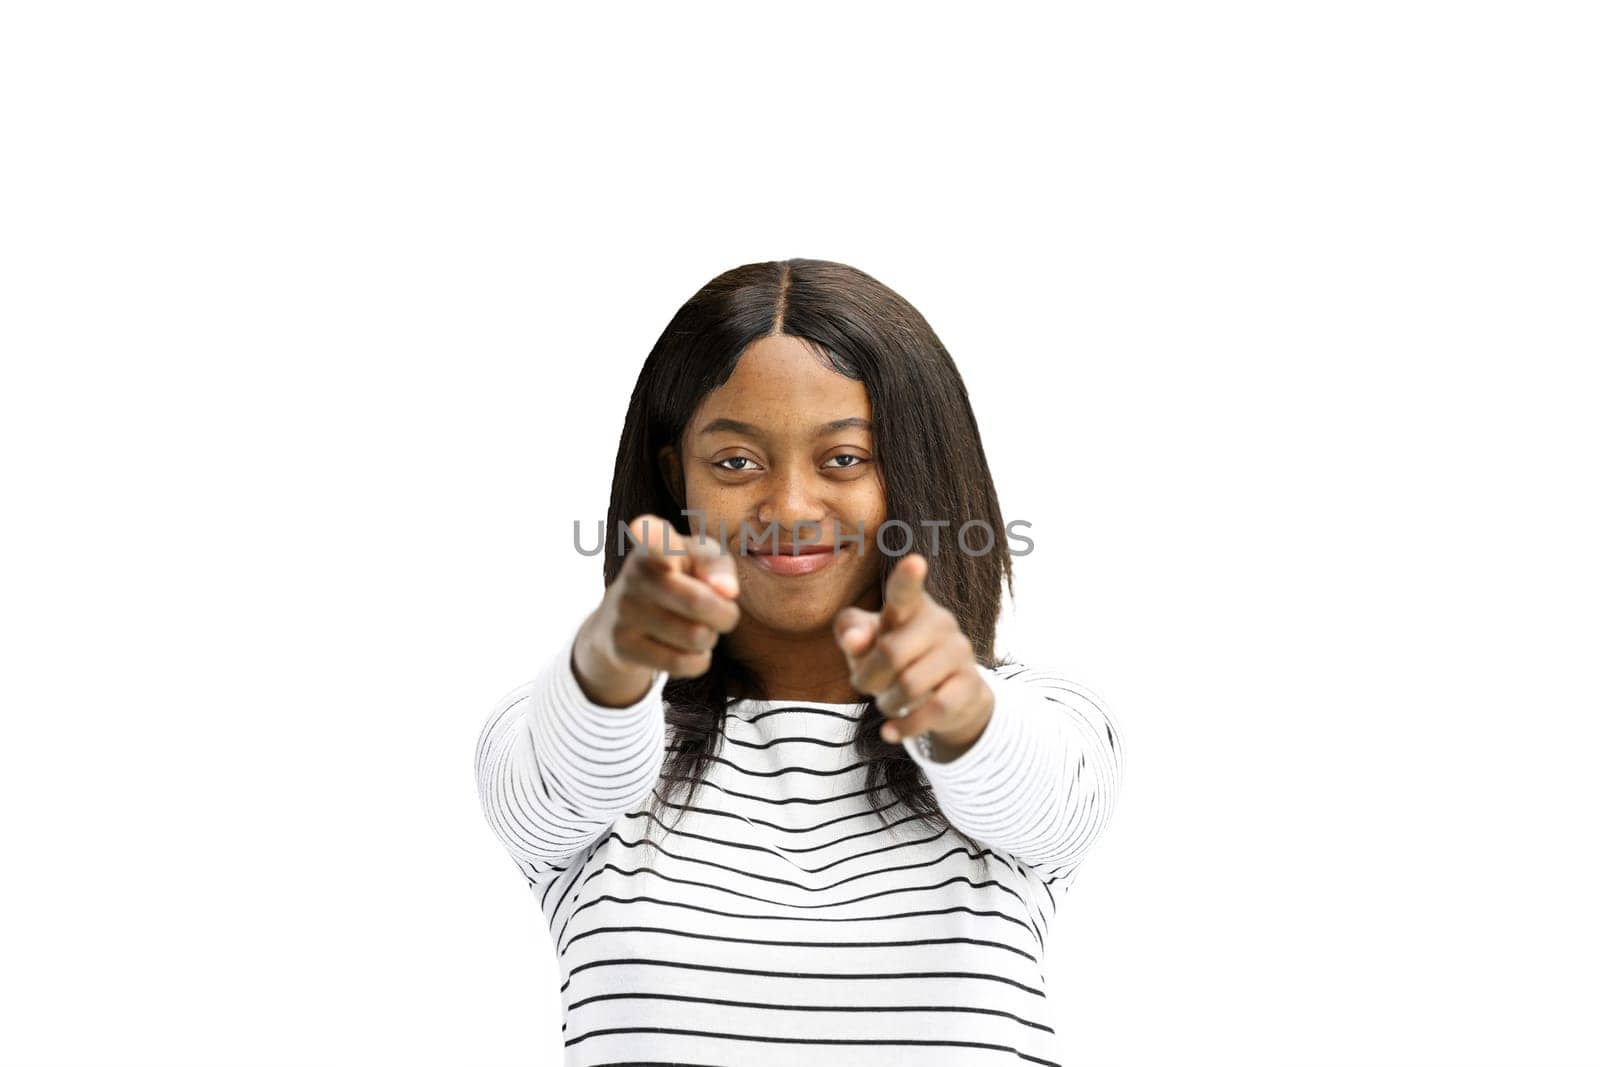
[781, 384]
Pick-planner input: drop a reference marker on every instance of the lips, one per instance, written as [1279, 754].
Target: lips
[793, 550]
[793, 559]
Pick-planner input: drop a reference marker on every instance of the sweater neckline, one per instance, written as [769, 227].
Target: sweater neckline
[819, 719]
[767, 703]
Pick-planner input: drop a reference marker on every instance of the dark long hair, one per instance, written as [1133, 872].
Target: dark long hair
[929, 454]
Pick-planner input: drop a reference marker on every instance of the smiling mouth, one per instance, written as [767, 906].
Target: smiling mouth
[793, 559]
[791, 550]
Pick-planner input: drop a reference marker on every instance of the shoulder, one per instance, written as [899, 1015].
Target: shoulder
[1054, 688]
[1045, 680]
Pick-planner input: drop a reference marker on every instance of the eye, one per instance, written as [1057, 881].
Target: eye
[855, 461]
[733, 459]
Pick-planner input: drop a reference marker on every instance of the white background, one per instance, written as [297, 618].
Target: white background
[319, 324]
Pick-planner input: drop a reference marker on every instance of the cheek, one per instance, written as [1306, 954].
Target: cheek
[871, 518]
[872, 515]
[714, 503]
[866, 504]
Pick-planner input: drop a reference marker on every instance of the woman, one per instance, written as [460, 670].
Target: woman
[798, 630]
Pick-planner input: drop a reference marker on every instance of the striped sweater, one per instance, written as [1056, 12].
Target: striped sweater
[778, 921]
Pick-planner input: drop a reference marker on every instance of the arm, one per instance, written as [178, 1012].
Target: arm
[555, 766]
[1042, 779]
[555, 769]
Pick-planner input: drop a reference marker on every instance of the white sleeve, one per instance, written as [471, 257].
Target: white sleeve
[555, 769]
[1042, 779]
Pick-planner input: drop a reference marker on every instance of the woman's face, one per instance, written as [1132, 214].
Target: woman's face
[786, 440]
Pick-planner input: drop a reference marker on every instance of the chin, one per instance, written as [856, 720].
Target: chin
[803, 605]
[793, 614]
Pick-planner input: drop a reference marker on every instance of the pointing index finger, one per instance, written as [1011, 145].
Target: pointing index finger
[654, 537]
[904, 592]
[710, 562]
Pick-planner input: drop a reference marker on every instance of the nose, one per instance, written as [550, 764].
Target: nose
[793, 500]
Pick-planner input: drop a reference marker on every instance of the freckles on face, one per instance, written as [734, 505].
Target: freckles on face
[785, 447]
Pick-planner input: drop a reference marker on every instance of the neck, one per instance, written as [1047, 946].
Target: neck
[807, 667]
[802, 666]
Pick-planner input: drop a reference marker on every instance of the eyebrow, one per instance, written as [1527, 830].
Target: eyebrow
[735, 426]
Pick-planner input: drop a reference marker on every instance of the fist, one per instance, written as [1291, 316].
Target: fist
[913, 659]
[671, 601]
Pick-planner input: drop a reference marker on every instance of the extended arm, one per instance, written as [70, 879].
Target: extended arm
[1042, 779]
[555, 769]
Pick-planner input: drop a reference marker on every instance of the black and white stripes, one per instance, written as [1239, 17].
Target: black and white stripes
[556, 770]
[778, 919]
[1040, 780]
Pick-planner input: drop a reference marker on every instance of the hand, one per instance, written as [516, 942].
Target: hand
[914, 660]
[674, 597]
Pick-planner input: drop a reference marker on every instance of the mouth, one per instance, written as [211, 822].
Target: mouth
[793, 559]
